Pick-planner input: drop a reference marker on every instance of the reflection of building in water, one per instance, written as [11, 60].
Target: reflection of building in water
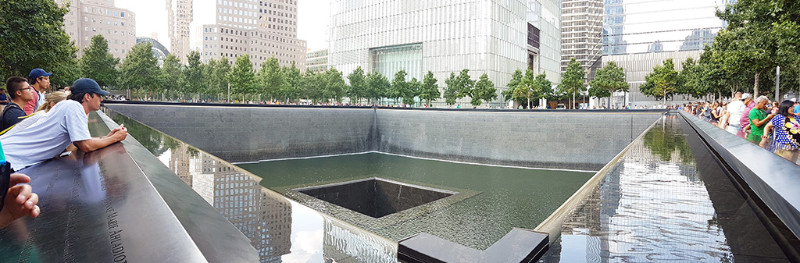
[648, 205]
[179, 160]
[342, 244]
[265, 218]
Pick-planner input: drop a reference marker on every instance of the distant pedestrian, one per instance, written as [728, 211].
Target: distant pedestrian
[20, 93]
[39, 81]
[786, 132]
[759, 118]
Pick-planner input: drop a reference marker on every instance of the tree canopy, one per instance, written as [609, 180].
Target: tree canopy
[32, 36]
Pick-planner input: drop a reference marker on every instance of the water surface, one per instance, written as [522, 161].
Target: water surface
[504, 197]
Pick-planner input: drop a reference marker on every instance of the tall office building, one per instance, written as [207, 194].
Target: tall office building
[493, 37]
[640, 34]
[180, 15]
[87, 18]
[259, 28]
[581, 33]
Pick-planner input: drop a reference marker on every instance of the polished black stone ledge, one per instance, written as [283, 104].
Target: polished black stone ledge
[104, 206]
[769, 179]
[519, 245]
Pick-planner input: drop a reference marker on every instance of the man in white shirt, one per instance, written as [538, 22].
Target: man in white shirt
[65, 124]
[735, 109]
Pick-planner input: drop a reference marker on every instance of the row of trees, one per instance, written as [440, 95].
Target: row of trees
[761, 35]
[526, 88]
[275, 83]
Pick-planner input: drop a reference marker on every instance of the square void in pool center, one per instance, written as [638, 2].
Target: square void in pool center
[376, 197]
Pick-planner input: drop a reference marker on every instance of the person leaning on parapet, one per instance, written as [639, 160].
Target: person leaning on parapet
[41, 113]
[735, 109]
[40, 84]
[65, 124]
[20, 94]
[758, 119]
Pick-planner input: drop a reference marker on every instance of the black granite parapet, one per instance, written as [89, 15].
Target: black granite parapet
[102, 207]
[519, 245]
[768, 180]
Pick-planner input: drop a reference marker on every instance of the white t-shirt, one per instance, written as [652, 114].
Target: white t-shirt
[48, 136]
[736, 108]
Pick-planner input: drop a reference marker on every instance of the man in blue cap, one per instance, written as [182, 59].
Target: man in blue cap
[40, 84]
[67, 123]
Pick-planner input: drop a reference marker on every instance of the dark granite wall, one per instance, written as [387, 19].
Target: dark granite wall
[548, 139]
[552, 139]
[244, 134]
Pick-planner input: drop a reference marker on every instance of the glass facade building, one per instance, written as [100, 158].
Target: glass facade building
[493, 37]
[640, 34]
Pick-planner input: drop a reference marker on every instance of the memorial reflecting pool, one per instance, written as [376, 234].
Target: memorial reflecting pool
[497, 198]
[666, 200]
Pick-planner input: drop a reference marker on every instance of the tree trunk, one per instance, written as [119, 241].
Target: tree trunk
[755, 85]
[572, 105]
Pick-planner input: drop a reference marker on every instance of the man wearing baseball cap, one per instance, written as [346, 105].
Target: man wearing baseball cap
[40, 84]
[65, 124]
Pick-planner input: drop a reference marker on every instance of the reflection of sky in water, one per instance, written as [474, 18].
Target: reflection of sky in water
[307, 235]
[651, 209]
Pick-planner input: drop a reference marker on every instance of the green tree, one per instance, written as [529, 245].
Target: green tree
[399, 85]
[414, 89]
[572, 83]
[358, 85]
[541, 86]
[451, 91]
[484, 91]
[751, 26]
[271, 79]
[242, 77]
[98, 64]
[377, 86]
[429, 91]
[32, 36]
[788, 37]
[608, 80]
[334, 85]
[662, 82]
[221, 76]
[690, 79]
[171, 74]
[293, 79]
[464, 84]
[516, 78]
[139, 69]
[192, 77]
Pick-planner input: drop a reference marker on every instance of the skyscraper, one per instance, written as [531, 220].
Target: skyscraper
[493, 37]
[87, 18]
[581, 33]
[179, 27]
[261, 29]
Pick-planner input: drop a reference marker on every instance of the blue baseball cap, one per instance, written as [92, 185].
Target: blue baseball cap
[87, 85]
[38, 72]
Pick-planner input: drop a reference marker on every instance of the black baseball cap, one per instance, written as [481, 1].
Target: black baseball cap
[87, 85]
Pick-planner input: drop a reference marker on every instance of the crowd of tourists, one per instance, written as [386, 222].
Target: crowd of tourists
[37, 125]
[773, 126]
